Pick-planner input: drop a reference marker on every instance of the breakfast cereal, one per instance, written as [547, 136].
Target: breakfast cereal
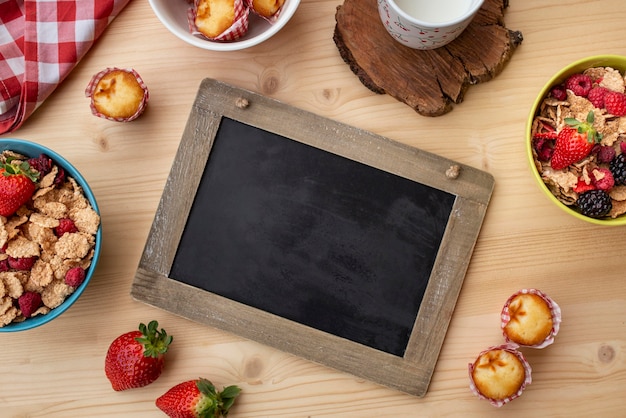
[54, 232]
[579, 142]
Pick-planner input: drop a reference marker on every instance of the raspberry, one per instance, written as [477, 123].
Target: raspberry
[43, 164]
[579, 84]
[75, 276]
[25, 263]
[605, 153]
[66, 225]
[594, 203]
[60, 178]
[29, 302]
[596, 96]
[602, 178]
[4, 264]
[615, 103]
[618, 169]
[543, 143]
[544, 148]
[559, 92]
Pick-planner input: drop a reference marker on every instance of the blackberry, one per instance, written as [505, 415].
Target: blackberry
[618, 169]
[594, 203]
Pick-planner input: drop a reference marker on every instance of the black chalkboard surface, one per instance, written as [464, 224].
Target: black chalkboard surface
[313, 237]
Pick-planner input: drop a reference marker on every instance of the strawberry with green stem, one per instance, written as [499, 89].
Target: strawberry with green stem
[197, 398]
[17, 185]
[574, 142]
[136, 358]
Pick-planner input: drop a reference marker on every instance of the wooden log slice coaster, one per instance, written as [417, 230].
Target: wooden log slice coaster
[429, 81]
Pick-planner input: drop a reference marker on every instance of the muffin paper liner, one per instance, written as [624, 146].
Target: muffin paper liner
[238, 29]
[554, 309]
[271, 19]
[511, 348]
[94, 82]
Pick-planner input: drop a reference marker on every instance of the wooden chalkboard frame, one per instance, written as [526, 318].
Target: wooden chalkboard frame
[471, 187]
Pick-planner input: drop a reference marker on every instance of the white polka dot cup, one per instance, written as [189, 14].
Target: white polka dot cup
[427, 24]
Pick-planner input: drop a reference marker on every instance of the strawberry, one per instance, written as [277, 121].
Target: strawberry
[136, 358]
[197, 398]
[17, 185]
[574, 142]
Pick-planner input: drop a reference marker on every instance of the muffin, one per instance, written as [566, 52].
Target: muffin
[530, 318]
[499, 374]
[117, 94]
[267, 8]
[219, 20]
[214, 16]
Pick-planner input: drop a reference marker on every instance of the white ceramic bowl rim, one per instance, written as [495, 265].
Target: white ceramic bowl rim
[183, 33]
[19, 145]
[476, 4]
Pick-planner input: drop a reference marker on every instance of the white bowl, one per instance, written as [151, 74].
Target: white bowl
[173, 15]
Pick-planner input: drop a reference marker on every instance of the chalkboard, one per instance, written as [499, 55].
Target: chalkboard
[314, 237]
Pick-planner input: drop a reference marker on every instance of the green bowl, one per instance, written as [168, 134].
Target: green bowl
[615, 61]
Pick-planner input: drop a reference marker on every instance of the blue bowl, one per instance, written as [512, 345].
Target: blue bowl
[32, 149]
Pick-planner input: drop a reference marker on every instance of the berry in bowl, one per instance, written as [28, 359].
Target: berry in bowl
[50, 235]
[576, 139]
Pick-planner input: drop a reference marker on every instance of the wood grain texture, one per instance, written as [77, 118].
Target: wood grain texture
[428, 81]
[524, 242]
[155, 285]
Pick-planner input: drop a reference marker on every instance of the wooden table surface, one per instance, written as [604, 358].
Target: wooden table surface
[57, 370]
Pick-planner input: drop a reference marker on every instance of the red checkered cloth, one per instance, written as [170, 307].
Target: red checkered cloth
[41, 41]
